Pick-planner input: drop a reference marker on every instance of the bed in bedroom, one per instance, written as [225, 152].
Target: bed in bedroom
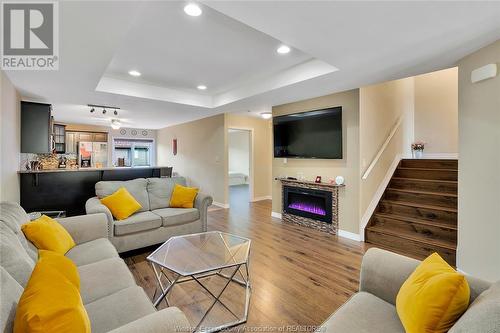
[237, 178]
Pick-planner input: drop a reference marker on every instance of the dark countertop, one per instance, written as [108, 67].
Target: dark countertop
[87, 169]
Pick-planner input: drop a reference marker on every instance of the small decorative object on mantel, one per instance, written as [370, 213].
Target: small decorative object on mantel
[318, 179]
[339, 180]
[417, 149]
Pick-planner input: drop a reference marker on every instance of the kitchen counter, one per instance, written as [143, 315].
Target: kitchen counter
[69, 189]
[88, 169]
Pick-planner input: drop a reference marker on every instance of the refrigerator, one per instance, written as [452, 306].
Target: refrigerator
[92, 154]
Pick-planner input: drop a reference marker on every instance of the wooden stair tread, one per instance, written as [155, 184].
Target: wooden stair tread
[416, 237]
[444, 194]
[427, 180]
[419, 205]
[428, 169]
[417, 221]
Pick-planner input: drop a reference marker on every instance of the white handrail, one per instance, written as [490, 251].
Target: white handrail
[381, 150]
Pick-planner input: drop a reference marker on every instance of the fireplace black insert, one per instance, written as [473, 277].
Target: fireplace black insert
[311, 203]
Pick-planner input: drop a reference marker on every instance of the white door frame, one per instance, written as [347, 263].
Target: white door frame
[250, 160]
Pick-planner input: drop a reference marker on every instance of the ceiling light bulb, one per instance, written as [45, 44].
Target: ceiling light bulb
[115, 124]
[202, 87]
[283, 49]
[192, 9]
[134, 73]
[266, 115]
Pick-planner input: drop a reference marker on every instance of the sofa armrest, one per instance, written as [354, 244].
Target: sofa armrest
[84, 228]
[169, 320]
[202, 202]
[383, 273]
[94, 206]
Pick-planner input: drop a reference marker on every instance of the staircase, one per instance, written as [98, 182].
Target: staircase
[417, 214]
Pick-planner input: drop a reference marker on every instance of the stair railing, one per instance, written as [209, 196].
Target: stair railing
[382, 149]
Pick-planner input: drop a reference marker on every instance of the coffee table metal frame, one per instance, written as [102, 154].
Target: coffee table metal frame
[198, 276]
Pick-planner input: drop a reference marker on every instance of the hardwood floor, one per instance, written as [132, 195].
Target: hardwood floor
[299, 276]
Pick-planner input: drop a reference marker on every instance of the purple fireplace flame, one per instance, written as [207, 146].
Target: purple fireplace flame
[308, 208]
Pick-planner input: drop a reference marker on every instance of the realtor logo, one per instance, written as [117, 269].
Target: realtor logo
[30, 37]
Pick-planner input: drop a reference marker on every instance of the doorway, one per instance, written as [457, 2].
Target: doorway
[239, 166]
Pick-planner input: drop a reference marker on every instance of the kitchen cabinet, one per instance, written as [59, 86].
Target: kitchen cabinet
[36, 128]
[73, 137]
[71, 141]
[59, 138]
[100, 137]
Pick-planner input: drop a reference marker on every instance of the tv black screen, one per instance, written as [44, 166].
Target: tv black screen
[312, 134]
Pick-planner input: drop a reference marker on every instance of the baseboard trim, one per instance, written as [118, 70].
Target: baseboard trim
[221, 205]
[266, 197]
[349, 235]
[377, 196]
[276, 215]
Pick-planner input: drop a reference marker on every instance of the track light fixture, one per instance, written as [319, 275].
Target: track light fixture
[103, 107]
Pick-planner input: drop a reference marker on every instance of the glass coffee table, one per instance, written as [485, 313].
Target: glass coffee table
[198, 256]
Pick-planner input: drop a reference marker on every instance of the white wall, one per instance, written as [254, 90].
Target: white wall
[200, 154]
[239, 151]
[436, 111]
[10, 140]
[478, 250]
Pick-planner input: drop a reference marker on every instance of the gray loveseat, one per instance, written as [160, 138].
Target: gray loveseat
[155, 222]
[110, 295]
[373, 309]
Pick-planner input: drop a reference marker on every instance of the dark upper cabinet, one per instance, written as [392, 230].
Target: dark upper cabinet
[59, 138]
[36, 128]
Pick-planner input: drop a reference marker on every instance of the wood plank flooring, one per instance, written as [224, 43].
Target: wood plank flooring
[299, 276]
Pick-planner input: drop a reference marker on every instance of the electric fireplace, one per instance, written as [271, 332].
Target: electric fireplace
[315, 204]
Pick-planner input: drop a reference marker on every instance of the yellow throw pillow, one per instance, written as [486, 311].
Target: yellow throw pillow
[62, 264]
[50, 303]
[47, 234]
[121, 204]
[183, 197]
[433, 297]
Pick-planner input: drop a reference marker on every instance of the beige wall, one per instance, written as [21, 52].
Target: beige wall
[381, 106]
[436, 111]
[262, 161]
[200, 153]
[479, 168]
[348, 167]
[10, 140]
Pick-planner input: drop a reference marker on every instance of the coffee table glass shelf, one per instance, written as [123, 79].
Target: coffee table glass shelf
[196, 257]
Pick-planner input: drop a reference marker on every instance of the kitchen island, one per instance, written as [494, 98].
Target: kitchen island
[68, 189]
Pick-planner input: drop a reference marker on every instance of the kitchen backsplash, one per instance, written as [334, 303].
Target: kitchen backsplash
[49, 161]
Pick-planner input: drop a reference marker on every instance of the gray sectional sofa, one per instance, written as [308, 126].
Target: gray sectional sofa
[373, 309]
[155, 222]
[105, 279]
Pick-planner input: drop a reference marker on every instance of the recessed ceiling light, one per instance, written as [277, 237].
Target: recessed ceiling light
[266, 115]
[192, 9]
[202, 87]
[134, 73]
[283, 49]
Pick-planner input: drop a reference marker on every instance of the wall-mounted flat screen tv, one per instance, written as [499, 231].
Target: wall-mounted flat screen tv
[312, 134]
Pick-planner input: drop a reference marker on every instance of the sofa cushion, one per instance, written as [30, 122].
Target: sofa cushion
[10, 292]
[136, 187]
[482, 316]
[95, 281]
[48, 234]
[14, 216]
[160, 191]
[137, 222]
[119, 309]
[364, 313]
[121, 204]
[176, 216]
[13, 256]
[93, 251]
